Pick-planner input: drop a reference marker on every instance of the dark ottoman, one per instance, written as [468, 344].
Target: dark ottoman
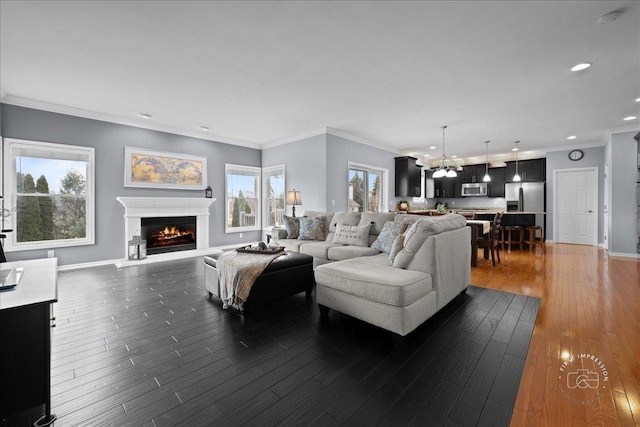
[286, 275]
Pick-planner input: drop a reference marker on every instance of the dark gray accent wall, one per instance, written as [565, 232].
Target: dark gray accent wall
[340, 152]
[593, 157]
[306, 170]
[109, 140]
[623, 212]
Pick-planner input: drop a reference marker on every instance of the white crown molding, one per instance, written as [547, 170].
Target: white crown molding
[576, 146]
[629, 128]
[329, 131]
[296, 138]
[341, 134]
[139, 123]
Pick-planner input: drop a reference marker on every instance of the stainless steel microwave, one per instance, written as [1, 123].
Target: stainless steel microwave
[475, 189]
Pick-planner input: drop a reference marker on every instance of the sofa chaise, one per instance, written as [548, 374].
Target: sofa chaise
[432, 268]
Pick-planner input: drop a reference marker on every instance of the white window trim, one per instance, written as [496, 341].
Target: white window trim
[9, 164]
[263, 197]
[384, 202]
[253, 169]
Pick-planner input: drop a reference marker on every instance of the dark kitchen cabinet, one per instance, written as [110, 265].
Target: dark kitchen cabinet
[25, 335]
[534, 170]
[408, 177]
[448, 187]
[495, 187]
[473, 173]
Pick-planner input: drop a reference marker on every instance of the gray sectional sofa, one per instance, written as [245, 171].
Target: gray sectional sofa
[432, 268]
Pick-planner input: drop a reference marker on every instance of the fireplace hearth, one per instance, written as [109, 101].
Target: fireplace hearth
[168, 234]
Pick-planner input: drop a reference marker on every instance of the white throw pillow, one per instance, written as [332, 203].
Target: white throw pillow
[353, 235]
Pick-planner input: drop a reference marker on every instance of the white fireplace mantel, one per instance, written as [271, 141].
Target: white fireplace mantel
[149, 207]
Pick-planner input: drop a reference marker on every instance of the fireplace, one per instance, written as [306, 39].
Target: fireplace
[138, 208]
[168, 234]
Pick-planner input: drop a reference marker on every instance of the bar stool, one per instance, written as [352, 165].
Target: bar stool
[532, 238]
[508, 237]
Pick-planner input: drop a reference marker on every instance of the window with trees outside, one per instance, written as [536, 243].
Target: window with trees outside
[273, 195]
[242, 198]
[49, 199]
[367, 188]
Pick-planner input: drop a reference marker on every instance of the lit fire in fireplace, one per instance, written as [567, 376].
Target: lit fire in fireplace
[171, 233]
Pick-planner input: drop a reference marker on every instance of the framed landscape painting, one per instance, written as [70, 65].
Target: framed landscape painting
[157, 169]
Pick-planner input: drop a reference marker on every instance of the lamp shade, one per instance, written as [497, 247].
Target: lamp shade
[293, 197]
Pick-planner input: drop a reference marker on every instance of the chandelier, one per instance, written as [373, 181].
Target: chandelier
[444, 170]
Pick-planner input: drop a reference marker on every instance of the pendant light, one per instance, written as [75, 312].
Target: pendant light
[516, 177]
[486, 178]
[444, 170]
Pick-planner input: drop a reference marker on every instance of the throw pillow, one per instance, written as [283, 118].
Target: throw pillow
[292, 225]
[353, 235]
[389, 233]
[312, 228]
[396, 247]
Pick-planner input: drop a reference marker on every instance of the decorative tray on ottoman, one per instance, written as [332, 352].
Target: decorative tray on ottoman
[269, 251]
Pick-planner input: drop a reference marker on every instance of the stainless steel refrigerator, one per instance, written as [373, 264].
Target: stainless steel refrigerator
[526, 197]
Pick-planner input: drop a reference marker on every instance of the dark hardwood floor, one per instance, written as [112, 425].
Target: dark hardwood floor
[146, 346]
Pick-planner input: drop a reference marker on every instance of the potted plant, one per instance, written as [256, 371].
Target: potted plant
[403, 205]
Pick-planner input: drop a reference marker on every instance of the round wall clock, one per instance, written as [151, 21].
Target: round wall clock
[576, 155]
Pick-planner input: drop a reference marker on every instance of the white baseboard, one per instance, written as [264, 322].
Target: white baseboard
[624, 255]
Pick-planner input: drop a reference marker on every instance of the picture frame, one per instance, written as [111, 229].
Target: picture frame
[159, 169]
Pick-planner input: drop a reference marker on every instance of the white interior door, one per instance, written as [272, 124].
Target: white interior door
[575, 206]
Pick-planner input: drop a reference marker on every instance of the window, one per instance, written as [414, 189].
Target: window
[273, 195]
[242, 198]
[367, 188]
[49, 200]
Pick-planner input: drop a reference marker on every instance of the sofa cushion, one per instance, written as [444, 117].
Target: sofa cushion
[346, 218]
[317, 249]
[292, 244]
[354, 235]
[376, 219]
[376, 282]
[388, 235]
[396, 247]
[418, 233]
[327, 218]
[338, 253]
[312, 228]
[292, 225]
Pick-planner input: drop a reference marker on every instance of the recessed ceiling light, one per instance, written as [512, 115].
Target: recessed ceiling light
[145, 115]
[572, 137]
[581, 66]
[204, 128]
[637, 99]
[426, 155]
[630, 118]
[515, 149]
[433, 147]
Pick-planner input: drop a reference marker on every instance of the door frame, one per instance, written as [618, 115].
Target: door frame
[594, 193]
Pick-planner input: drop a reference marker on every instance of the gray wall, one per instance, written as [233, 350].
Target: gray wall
[340, 152]
[109, 140]
[623, 212]
[593, 157]
[306, 169]
[318, 167]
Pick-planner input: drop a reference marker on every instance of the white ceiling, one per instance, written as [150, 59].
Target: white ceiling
[389, 73]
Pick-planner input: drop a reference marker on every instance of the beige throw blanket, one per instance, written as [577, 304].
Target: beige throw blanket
[237, 272]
